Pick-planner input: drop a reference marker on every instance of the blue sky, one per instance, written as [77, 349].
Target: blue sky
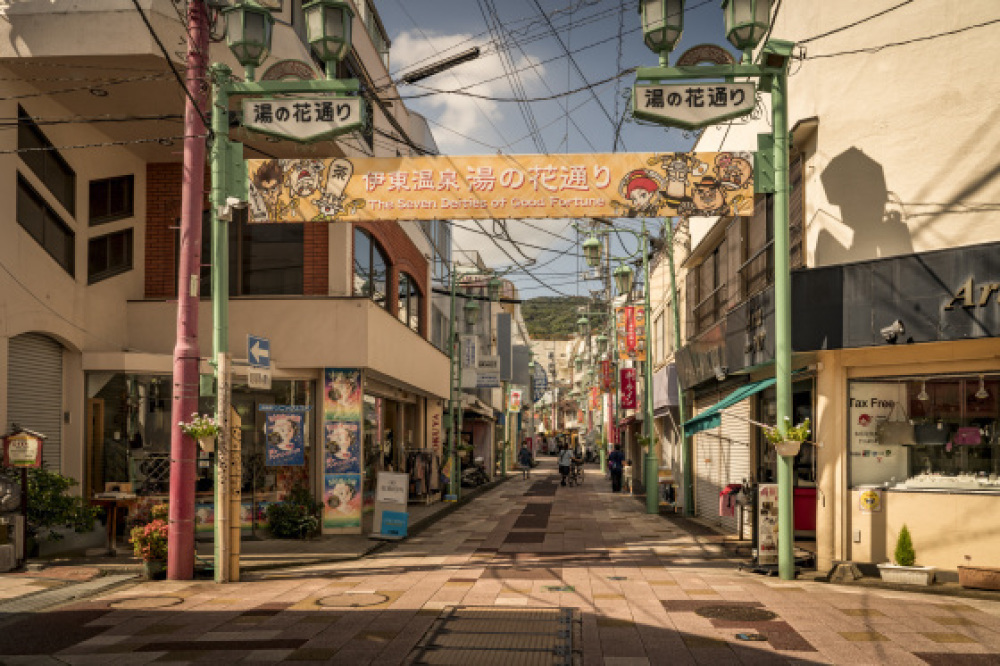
[519, 37]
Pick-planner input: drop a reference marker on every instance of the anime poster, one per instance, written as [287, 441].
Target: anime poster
[343, 447]
[500, 187]
[342, 394]
[285, 441]
[341, 501]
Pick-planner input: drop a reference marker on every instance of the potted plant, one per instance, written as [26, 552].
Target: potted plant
[904, 569]
[51, 506]
[149, 543]
[788, 440]
[203, 428]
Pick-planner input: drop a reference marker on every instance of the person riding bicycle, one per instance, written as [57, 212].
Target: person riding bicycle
[566, 458]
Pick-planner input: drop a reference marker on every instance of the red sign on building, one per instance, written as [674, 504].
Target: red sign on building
[628, 389]
[607, 377]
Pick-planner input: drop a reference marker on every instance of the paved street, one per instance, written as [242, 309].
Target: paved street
[528, 573]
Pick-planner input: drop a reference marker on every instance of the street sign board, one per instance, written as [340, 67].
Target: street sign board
[259, 378]
[303, 119]
[541, 381]
[488, 372]
[692, 105]
[258, 351]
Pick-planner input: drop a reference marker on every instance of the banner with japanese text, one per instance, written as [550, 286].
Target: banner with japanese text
[595, 397]
[607, 376]
[631, 325]
[628, 389]
[500, 186]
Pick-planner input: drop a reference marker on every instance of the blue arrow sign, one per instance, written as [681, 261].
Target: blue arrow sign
[258, 351]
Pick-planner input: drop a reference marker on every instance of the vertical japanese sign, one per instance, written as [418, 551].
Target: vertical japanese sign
[767, 523]
[595, 397]
[470, 358]
[607, 376]
[630, 322]
[627, 384]
[342, 407]
[514, 404]
[435, 421]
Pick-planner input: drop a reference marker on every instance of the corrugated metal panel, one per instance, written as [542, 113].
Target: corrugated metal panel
[34, 391]
[722, 456]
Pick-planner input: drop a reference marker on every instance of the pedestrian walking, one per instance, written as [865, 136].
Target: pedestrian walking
[565, 460]
[616, 462]
[524, 460]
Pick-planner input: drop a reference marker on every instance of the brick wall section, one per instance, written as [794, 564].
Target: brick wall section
[404, 256]
[163, 209]
[316, 238]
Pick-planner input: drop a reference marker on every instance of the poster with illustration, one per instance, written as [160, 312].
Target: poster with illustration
[285, 443]
[342, 394]
[343, 447]
[341, 501]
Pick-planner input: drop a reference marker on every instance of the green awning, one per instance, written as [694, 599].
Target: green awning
[712, 417]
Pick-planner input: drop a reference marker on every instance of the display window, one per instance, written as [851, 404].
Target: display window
[925, 433]
[128, 442]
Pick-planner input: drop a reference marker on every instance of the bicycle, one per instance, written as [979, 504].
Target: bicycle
[576, 475]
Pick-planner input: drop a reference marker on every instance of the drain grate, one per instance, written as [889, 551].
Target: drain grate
[488, 636]
[736, 613]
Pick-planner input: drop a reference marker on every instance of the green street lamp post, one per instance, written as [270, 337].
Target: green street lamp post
[249, 28]
[623, 281]
[747, 21]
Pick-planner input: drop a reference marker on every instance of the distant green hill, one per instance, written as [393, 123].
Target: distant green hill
[554, 317]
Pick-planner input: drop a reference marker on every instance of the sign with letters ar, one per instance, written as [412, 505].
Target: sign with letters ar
[303, 119]
[692, 105]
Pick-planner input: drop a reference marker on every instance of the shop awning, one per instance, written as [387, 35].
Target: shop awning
[712, 417]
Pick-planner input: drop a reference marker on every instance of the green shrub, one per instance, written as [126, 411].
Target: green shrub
[50, 504]
[297, 517]
[905, 556]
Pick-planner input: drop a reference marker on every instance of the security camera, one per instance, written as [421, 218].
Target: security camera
[720, 372]
[891, 332]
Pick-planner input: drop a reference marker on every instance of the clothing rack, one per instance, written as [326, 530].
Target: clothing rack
[424, 469]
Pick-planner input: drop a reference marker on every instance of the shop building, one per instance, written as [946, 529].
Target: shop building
[89, 283]
[894, 299]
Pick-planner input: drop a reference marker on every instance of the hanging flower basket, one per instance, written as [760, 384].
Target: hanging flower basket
[207, 443]
[788, 440]
[788, 447]
[205, 429]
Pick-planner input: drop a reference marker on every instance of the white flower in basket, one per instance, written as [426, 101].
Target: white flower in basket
[203, 428]
[788, 440]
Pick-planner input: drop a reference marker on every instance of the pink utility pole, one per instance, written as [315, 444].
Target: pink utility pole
[183, 450]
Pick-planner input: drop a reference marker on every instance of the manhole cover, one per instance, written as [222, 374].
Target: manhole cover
[357, 600]
[736, 613]
[136, 603]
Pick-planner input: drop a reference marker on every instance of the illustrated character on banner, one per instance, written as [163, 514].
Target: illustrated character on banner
[708, 198]
[734, 170]
[679, 168]
[641, 190]
[341, 495]
[302, 178]
[284, 432]
[332, 203]
[265, 193]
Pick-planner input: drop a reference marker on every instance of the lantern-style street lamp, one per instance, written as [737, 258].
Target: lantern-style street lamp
[248, 34]
[494, 286]
[592, 251]
[471, 311]
[746, 23]
[662, 24]
[328, 30]
[602, 343]
[623, 279]
[582, 324]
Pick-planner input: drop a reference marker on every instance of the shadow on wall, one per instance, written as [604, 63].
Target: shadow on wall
[872, 216]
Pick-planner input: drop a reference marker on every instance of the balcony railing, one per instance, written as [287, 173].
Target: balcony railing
[757, 272]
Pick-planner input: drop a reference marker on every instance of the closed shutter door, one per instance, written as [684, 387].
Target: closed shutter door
[722, 457]
[35, 393]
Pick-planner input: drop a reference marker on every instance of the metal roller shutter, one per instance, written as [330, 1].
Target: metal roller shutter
[722, 456]
[35, 393]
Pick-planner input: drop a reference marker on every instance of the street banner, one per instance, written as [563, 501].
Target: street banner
[595, 398]
[628, 389]
[630, 322]
[514, 404]
[438, 187]
[342, 463]
[607, 376]
[285, 443]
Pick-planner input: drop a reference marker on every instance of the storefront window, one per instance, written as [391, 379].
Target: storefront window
[128, 441]
[371, 269]
[925, 433]
[804, 464]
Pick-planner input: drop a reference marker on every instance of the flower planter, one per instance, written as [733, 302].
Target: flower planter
[788, 448]
[207, 443]
[979, 578]
[154, 569]
[892, 573]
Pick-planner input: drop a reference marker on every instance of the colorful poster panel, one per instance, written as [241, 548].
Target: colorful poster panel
[343, 447]
[285, 441]
[342, 394]
[341, 501]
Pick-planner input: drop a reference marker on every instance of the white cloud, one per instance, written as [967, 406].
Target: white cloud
[465, 115]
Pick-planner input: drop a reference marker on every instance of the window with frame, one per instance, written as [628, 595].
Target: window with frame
[109, 255]
[265, 259]
[45, 226]
[45, 161]
[112, 199]
[409, 301]
[371, 269]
